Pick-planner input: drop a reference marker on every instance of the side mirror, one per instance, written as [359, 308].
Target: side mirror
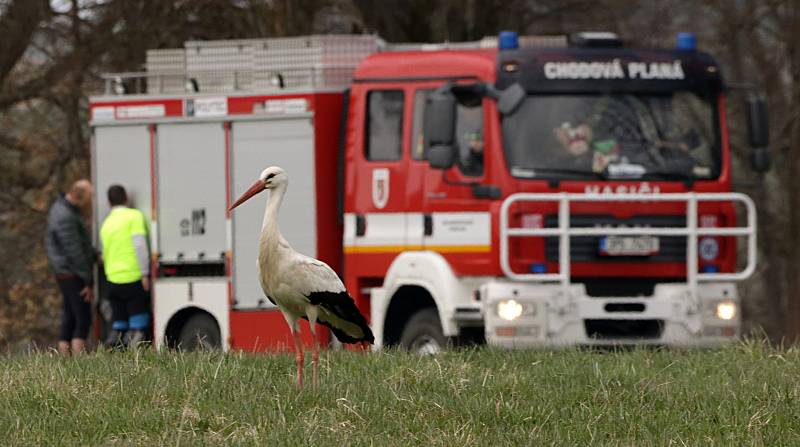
[758, 132]
[510, 99]
[760, 160]
[440, 119]
[442, 156]
[440, 128]
[757, 123]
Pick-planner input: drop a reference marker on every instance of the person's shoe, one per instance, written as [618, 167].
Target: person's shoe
[135, 337]
[115, 339]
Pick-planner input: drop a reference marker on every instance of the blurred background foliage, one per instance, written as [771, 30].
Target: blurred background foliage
[53, 51]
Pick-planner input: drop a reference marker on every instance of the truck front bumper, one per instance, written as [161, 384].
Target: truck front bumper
[519, 315]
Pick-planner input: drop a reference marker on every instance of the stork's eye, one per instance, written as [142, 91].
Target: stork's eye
[270, 176]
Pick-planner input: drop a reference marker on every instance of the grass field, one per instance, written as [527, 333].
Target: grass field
[747, 394]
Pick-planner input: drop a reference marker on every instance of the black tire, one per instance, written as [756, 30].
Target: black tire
[200, 332]
[423, 333]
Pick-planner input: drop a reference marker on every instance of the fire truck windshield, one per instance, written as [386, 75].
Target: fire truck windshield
[669, 136]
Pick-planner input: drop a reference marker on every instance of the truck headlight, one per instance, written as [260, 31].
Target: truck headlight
[512, 309]
[726, 310]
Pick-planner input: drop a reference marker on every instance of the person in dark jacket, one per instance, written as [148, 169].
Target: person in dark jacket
[69, 249]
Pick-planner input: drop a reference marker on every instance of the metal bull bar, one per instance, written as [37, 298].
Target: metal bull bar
[691, 231]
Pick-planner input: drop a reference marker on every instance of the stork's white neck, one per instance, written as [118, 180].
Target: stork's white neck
[269, 225]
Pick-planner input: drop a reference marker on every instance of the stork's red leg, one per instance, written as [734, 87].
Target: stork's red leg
[298, 354]
[312, 313]
[314, 359]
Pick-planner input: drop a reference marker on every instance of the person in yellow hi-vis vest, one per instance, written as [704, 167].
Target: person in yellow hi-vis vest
[126, 261]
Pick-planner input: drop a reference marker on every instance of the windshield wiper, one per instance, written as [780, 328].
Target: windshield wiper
[535, 173]
[687, 178]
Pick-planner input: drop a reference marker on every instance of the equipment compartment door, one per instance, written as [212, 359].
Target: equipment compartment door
[121, 155]
[191, 192]
[284, 142]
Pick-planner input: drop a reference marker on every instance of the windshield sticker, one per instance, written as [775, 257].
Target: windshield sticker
[522, 172]
[626, 170]
[614, 70]
[701, 171]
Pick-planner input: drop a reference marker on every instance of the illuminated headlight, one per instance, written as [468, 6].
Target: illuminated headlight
[509, 310]
[726, 310]
[512, 309]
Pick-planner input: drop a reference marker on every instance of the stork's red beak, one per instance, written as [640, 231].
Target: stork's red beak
[257, 187]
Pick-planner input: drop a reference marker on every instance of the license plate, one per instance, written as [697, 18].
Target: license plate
[628, 245]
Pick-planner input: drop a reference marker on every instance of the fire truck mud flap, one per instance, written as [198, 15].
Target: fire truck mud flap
[378, 306]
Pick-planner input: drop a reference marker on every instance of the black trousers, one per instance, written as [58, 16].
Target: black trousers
[128, 300]
[77, 315]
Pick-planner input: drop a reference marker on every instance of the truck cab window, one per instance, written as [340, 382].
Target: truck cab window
[469, 137]
[417, 138]
[648, 136]
[469, 134]
[384, 127]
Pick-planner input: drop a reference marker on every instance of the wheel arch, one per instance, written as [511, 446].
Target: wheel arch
[176, 322]
[172, 295]
[415, 280]
[406, 301]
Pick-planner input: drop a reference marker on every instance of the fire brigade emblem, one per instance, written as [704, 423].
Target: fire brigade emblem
[380, 187]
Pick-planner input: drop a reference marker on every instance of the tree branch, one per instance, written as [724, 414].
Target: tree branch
[17, 28]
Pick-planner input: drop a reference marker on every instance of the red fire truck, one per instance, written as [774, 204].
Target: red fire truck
[522, 191]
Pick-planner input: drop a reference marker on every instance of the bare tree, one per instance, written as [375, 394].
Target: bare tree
[50, 61]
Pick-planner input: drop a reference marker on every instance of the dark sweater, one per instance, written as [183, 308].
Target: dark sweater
[67, 242]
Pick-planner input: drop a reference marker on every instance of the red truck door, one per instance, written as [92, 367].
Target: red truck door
[377, 179]
[456, 223]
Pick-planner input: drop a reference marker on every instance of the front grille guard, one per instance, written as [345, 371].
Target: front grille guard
[691, 231]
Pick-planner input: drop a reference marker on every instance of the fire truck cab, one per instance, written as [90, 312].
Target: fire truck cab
[519, 191]
[544, 196]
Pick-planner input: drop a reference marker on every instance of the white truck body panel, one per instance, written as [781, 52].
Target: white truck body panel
[124, 160]
[191, 192]
[176, 294]
[288, 143]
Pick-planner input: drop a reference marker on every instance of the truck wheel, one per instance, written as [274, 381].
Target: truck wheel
[423, 333]
[199, 333]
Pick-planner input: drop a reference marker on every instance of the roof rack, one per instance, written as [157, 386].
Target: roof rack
[316, 61]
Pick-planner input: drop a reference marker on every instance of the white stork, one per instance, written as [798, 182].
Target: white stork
[301, 287]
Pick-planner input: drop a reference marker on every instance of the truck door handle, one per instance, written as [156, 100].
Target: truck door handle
[428, 224]
[361, 225]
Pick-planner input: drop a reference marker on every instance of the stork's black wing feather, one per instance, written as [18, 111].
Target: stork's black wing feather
[342, 306]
